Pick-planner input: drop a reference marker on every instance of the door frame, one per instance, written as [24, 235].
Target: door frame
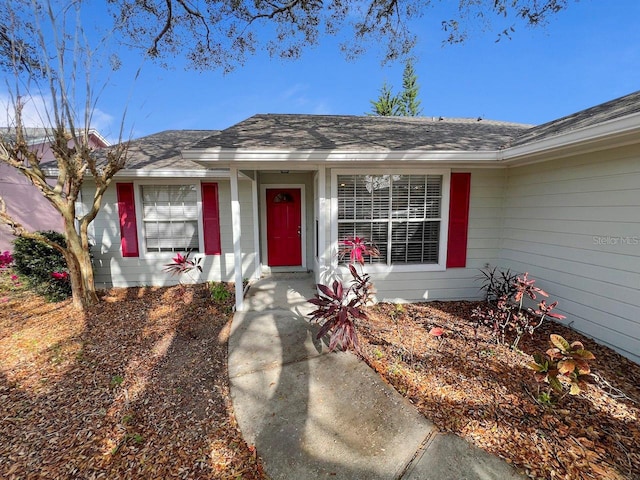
[263, 225]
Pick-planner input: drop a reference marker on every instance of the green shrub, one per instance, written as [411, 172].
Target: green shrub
[219, 292]
[43, 267]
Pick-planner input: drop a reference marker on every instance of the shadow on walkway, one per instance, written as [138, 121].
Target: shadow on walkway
[315, 414]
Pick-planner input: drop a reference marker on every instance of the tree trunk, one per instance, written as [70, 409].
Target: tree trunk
[80, 270]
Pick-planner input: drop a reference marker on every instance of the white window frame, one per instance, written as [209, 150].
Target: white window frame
[142, 244]
[384, 268]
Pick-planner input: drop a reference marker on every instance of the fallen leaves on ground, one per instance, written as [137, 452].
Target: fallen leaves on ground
[486, 393]
[136, 388]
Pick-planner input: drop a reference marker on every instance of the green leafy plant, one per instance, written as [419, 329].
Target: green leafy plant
[545, 399]
[219, 292]
[136, 437]
[42, 266]
[339, 307]
[116, 381]
[564, 363]
[222, 296]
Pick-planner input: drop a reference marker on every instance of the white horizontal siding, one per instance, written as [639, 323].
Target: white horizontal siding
[459, 283]
[113, 269]
[131, 272]
[574, 225]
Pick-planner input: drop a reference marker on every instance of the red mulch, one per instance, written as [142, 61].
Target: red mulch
[486, 393]
[137, 388]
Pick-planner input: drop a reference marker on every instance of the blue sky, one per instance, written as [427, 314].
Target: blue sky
[586, 55]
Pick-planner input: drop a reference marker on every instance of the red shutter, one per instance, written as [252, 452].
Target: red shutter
[211, 219]
[128, 225]
[458, 220]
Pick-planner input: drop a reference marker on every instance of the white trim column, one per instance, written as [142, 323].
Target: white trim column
[322, 226]
[256, 224]
[236, 231]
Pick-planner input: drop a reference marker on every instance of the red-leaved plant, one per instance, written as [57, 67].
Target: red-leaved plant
[508, 313]
[6, 259]
[182, 265]
[62, 276]
[6, 262]
[340, 306]
[563, 363]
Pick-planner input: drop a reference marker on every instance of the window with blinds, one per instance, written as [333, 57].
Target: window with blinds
[401, 214]
[170, 217]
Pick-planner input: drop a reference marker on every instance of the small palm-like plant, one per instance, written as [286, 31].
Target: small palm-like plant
[183, 265]
[356, 248]
[337, 313]
[340, 306]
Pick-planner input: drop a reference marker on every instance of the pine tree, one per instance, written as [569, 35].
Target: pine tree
[405, 103]
[387, 105]
[409, 103]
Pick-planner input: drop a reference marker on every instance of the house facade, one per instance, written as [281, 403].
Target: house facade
[441, 198]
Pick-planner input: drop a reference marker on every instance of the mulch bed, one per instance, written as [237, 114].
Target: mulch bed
[137, 388]
[485, 392]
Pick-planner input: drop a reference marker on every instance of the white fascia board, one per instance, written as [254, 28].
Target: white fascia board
[280, 157]
[97, 134]
[616, 132]
[47, 139]
[218, 173]
[160, 173]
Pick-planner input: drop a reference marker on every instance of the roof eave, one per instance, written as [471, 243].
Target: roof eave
[617, 132]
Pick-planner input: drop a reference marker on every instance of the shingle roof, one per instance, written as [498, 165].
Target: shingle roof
[32, 133]
[38, 135]
[611, 110]
[163, 150]
[342, 132]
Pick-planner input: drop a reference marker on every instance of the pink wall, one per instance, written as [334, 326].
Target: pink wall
[25, 203]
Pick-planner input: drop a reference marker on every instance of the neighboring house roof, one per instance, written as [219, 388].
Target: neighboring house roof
[38, 136]
[620, 107]
[357, 133]
[163, 150]
[33, 134]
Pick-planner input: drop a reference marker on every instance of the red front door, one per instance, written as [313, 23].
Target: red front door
[284, 234]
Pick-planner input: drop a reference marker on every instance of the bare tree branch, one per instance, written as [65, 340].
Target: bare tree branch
[66, 59]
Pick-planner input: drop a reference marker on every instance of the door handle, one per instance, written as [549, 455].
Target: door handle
[299, 231]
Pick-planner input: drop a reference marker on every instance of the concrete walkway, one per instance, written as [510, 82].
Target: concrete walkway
[314, 414]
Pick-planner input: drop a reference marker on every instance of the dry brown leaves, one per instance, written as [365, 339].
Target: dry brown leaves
[486, 394]
[136, 389]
